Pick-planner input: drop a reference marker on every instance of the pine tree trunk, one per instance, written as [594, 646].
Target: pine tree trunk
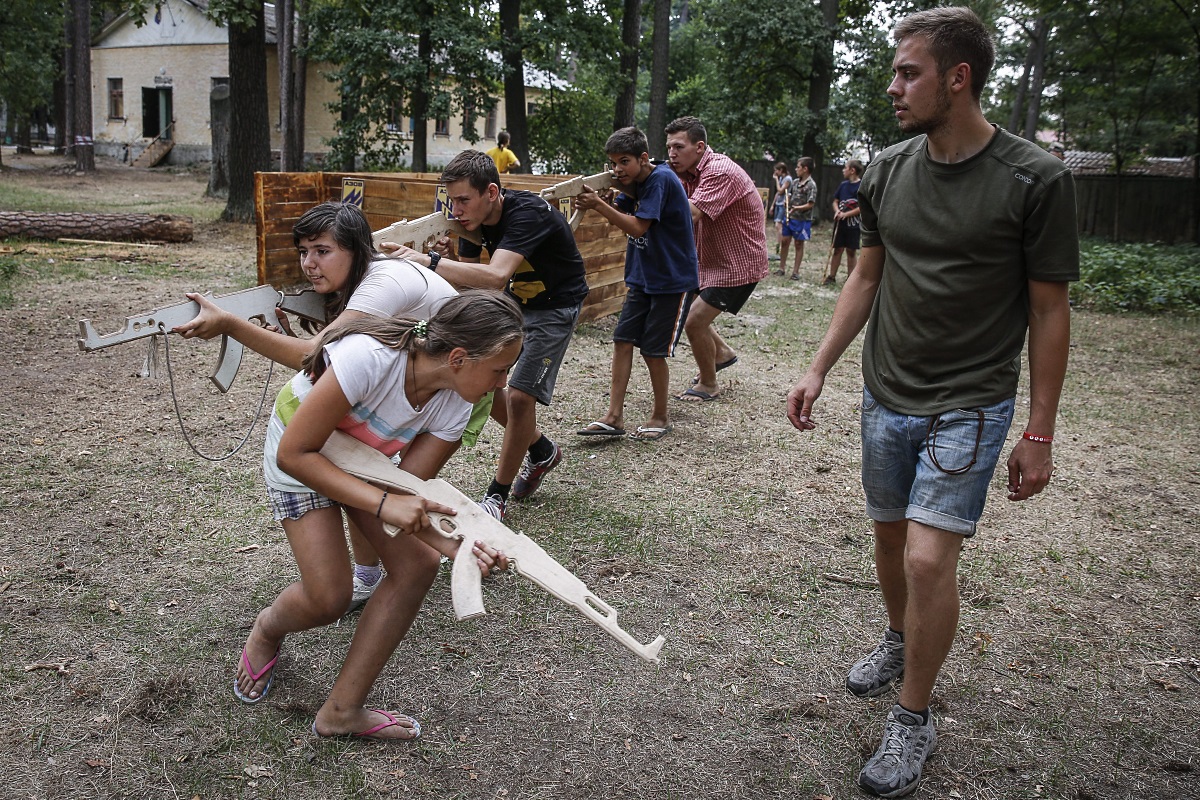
[420, 101]
[820, 85]
[283, 51]
[512, 57]
[106, 227]
[301, 87]
[631, 30]
[85, 149]
[660, 65]
[218, 114]
[1037, 77]
[249, 128]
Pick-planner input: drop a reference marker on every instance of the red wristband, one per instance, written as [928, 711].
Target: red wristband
[1033, 437]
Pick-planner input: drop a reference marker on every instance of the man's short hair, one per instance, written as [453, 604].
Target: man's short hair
[475, 167]
[855, 165]
[627, 142]
[693, 126]
[955, 35]
[807, 163]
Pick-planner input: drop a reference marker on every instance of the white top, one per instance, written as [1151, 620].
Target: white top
[371, 375]
[400, 288]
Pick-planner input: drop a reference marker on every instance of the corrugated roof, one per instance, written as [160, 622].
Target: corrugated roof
[1086, 162]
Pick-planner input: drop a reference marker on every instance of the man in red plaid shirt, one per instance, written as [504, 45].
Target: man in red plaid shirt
[731, 243]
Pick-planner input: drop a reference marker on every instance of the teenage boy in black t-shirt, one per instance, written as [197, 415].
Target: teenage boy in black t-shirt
[534, 257]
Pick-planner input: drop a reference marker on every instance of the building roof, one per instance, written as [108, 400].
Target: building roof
[1086, 162]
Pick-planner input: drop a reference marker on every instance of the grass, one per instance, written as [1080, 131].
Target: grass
[95, 194]
[1147, 278]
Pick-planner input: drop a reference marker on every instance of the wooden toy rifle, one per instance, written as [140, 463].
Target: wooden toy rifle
[422, 233]
[471, 524]
[600, 182]
[258, 303]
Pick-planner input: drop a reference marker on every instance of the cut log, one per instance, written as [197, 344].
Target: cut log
[109, 227]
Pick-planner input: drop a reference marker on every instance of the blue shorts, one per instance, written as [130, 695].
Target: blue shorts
[780, 214]
[933, 470]
[547, 334]
[653, 322]
[801, 231]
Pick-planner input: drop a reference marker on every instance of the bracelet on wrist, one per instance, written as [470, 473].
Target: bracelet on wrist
[379, 510]
[1033, 437]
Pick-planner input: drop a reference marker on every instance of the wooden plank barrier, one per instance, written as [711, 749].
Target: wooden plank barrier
[282, 197]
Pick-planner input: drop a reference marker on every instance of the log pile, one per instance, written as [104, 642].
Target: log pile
[107, 227]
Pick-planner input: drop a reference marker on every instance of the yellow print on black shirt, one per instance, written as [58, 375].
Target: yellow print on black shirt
[526, 290]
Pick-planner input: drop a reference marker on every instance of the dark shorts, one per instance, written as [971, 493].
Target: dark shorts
[547, 335]
[780, 214]
[653, 322]
[847, 236]
[729, 299]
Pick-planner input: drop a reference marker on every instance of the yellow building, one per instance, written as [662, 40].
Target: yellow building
[156, 80]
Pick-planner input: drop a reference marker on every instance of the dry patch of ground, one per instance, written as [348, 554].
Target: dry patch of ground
[131, 570]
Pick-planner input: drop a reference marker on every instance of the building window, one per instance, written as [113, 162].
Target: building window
[116, 98]
[441, 126]
[489, 127]
[468, 125]
[530, 109]
[394, 120]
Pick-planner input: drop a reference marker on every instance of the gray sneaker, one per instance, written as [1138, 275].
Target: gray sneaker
[895, 769]
[874, 674]
[362, 592]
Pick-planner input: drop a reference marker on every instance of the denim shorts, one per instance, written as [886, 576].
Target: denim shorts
[547, 334]
[780, 214]
[934, 470]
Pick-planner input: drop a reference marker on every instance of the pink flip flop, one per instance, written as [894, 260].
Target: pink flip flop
[256, 677]
[393, 720]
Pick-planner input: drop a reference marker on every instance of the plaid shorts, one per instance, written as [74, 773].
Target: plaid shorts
[294, 505]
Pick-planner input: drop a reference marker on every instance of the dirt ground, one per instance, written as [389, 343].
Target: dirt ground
[131, 570]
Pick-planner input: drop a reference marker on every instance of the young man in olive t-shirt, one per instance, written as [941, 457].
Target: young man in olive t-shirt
[969, 241]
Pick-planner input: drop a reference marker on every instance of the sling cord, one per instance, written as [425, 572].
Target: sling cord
[179, 414]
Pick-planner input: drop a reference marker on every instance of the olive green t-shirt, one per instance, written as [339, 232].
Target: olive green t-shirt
[961, 243]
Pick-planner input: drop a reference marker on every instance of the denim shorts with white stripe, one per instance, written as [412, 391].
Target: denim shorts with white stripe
[933, 470]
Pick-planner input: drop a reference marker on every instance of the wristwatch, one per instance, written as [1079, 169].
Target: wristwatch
[434, 258]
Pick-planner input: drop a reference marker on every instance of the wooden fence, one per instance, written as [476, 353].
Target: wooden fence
[281, 197]
[1151, 209]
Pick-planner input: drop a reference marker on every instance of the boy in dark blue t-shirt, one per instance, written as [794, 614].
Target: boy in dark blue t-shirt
[661, 273]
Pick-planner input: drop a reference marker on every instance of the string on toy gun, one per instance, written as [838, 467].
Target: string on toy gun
[179, 414]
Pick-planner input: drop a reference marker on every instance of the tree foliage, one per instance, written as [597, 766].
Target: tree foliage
[743, 67]
[1124, 72]
[31, 33]
[374, 49]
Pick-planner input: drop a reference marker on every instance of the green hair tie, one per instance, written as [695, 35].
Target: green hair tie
[421, 328]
